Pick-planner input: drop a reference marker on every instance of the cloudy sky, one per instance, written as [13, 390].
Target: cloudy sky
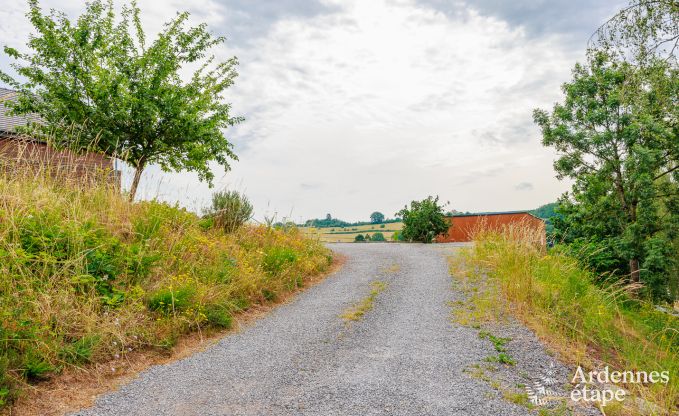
[354, 106]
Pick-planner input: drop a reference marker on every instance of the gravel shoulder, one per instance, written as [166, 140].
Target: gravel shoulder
[403, 357]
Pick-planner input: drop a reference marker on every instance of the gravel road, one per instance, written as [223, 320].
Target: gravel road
[404, 357]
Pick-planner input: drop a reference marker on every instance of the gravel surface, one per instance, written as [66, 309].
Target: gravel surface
[404, 357]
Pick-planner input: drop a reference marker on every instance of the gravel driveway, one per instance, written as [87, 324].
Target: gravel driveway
[404, 357]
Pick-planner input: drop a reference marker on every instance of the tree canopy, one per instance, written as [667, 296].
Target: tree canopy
[616, 134]
[376, 217]
[97, 83]
[423, 221]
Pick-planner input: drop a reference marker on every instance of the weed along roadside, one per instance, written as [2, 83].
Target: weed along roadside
[94, 282]
[594, 332]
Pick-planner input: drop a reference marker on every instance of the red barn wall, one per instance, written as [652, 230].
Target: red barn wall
[463, 228]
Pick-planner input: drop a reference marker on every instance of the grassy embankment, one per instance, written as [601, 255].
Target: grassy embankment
[584, 323]
[88, 277]
[348, 234]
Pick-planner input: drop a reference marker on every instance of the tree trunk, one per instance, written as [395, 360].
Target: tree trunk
[135, 182]
[634, 270]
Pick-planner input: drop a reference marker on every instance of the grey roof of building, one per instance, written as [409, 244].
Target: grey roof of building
[8, 122]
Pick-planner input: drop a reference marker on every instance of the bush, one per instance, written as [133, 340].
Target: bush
[359, 238]
[230, 210]
[423, 221]
[397, 236]
[378, 237]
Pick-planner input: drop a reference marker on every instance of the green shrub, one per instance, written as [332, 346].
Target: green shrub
[378, 237]
[230, 210]
[423, 221]
[359, 238]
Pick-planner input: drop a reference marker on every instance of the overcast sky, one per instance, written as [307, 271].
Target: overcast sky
[354, 106]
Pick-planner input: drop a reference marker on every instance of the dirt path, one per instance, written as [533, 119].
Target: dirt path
[403, 357]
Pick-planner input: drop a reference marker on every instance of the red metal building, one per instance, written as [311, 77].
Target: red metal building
[464, 226]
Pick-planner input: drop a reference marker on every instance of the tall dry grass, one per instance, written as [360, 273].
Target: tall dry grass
[588, 324]
[88, 276]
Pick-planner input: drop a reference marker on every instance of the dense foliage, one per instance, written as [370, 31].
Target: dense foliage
[423, 221]
[95, 82]
[377, 237]
[617, 137]
[547, 212]
[376, 217]
[88, 276]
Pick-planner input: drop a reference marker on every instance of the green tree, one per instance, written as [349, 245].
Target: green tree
[377, 237]
[95, 82]
[423, 221]
[376, 217]
[616, 135]
[359, 238]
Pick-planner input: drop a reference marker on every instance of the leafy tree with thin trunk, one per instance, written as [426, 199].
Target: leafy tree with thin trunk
[423, 221]
[97, 82]
[617, 137]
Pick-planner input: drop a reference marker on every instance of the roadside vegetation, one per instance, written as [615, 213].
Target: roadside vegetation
[587, 324]
[356, 311]
[89, 277]
[616, 133]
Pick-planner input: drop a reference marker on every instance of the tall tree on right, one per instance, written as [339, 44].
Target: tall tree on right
[617, 137]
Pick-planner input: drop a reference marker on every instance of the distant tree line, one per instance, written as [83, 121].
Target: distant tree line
[329, 221]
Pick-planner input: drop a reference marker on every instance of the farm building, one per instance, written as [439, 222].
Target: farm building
[18, 151]
[464, 226]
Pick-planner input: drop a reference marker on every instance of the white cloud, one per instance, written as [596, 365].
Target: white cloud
[381, 102]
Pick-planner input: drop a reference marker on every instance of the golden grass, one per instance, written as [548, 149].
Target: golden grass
[89, 278]
[588, 325]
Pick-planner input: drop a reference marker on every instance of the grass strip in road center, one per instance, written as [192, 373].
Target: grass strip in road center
[357, 310]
